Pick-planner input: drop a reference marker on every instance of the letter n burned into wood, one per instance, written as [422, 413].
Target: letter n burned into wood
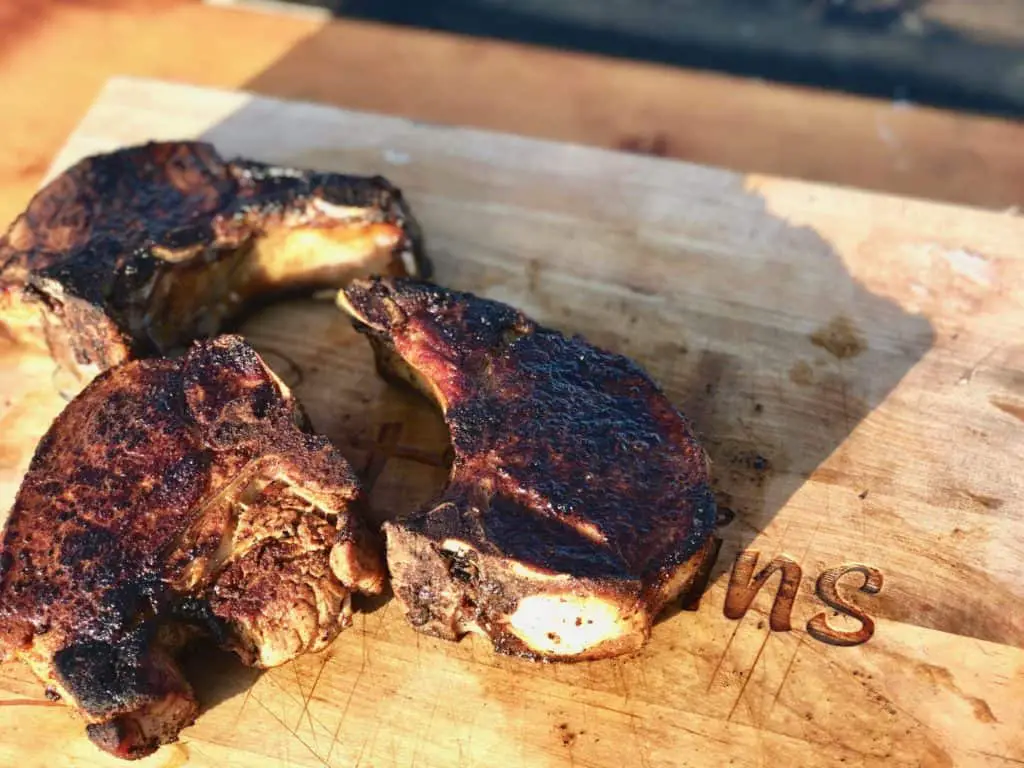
[744, 585]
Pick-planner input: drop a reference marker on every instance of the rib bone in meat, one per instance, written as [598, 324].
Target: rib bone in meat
[175, 497]
[138, 251]
[578, 503]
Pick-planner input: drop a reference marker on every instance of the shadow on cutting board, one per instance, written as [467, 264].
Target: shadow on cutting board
[216, 675]
[753, 327]
[769, 345]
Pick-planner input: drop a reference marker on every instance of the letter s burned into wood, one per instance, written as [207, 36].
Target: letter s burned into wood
[827, 590]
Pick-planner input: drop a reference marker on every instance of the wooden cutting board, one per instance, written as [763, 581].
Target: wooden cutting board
[855, 363]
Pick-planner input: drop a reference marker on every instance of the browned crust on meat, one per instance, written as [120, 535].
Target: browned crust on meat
[177, 494]
[575, 480]
[141, 250]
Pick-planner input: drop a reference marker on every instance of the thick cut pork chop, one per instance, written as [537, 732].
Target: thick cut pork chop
[139, 251]
[173, 497]
[578, 503]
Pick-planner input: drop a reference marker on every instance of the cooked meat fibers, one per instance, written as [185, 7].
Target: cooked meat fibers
[139, 251]
[173, 498]
[578, 503]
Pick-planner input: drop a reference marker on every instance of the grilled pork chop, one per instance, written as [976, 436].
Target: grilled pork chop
[578, 503]
[170, 498]
[138, 251]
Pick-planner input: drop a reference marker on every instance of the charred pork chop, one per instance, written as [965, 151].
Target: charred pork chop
[170, 498]
[141, 250]
[578, 503]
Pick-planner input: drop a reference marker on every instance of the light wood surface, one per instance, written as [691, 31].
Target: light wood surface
[55, 56]
[853, 360]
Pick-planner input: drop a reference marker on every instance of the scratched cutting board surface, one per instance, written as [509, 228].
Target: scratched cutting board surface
[854, 362]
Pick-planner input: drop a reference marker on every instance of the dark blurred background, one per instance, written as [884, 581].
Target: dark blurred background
[958, 54]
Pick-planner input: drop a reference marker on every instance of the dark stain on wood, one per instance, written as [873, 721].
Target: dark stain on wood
[1015, 409]
[988, 502]
[656, 145]
[982, 711]
[840, 338]
[941, 677]
[801, 373]
[758, 467]
[567, 735]
[532, 271]
[33, 170]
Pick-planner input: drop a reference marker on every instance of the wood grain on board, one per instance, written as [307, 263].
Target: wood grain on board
[853, 361]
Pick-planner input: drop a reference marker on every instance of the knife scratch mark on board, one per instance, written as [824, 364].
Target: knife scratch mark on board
[383, 615]
[305, 708]
[29, 703]
[248, 695]
[750, 674]
[271, 678]
[373, 739]
[381, 453]
[293, 733]
[968, 375]
[620, 676]
[817, 528]
[1003, 758]
[721, 659]
[705, 736]
[645, 760]
[785, 676]
[430, 727]
[298, 684]
[344, 711]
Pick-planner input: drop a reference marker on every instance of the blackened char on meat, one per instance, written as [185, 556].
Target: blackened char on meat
[578, 503]
[138, 251]
[175, 497]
